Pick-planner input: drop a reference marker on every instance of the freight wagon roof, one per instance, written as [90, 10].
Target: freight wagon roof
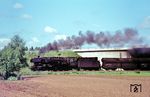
[116, 60]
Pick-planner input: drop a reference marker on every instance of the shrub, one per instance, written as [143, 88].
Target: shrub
[12, 78]
[26, 71]
[138, 72]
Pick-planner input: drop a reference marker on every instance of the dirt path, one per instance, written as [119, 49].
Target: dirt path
[75, 86]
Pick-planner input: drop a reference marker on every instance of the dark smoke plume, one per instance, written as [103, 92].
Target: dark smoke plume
[125, 38]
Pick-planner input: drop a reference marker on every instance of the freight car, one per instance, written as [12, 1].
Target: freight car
[64, 63]
[140, 59]
[114, 63]
[126, 63]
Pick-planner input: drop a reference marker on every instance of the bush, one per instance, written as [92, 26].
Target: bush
[138, 72]
[26, 71]
[12, 78]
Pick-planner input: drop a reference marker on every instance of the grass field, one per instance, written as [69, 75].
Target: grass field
[27, 71]
[115, 73]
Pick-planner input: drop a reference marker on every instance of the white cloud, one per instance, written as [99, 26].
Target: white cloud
[4, 42]
[50, 29]
[58, 37]
[26, 16]
[18, 6]
[146, 23]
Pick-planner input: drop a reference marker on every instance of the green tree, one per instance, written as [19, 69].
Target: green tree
[12, 56]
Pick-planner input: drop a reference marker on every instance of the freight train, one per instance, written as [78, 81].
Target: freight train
[140, 59]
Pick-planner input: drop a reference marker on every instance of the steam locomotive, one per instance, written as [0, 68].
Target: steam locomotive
[65, 63]
[140, 59]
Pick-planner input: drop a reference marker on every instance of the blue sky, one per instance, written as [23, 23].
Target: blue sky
[39, 22]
